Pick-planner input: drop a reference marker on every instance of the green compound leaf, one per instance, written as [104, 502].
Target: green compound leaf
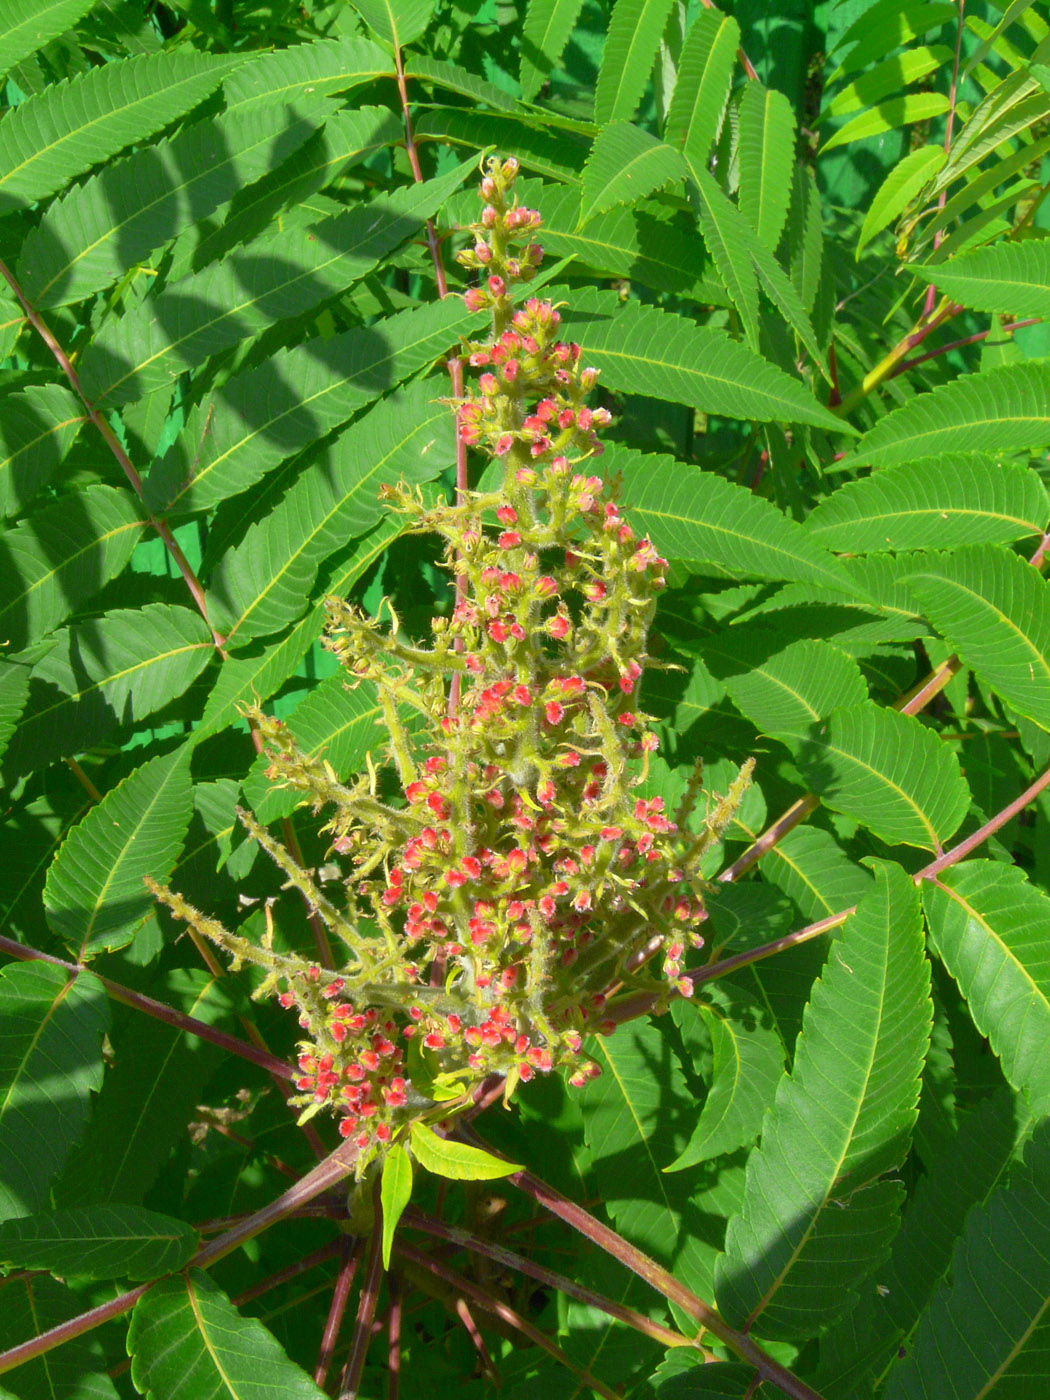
[785, 694]
[283, 274]
[51, 1029]
[748, 1062]
[266, 580]
[697, 515]
[89, 237]
[1000, 1273]
[767, 160]
[994, 609]
[547, 29]
[99, 1242]
[956, 499]
[107, 672]
[888, 116]
[71, 126]
[634, 36]
[1000, 410]
[187, 1340]
[1005, 277]
[889, 772]
[625, 164]
[397, 22]
[57, 559]
[659, 355]
[94, 895]
[37, 429]
[705, 72]
[259, 418]
[988, 926]
[24, 30]
[286, 76]
[395, 1192]
[456, 1160]
[815, 1220]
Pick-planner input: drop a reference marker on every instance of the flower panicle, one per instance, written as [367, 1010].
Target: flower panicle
[505, 879]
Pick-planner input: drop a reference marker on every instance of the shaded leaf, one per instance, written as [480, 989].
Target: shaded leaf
[99, 1242]
[301, 70]
[57, 559]
[34, 1304]
[51, 1028]
[1001, 1273]
[37, 429]
[988, 926]
[815, 1218]
[23, 31]
[94, 896]
[748, 1062]
[72, 125]
[784, 694]
[547, 29]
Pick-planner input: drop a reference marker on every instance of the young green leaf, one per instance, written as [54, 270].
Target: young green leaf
[1000, 1273]
[748, 1062]
[994, 609]
[547, 29]
[957, 499]
[643, 350]
[14, 691]
[705, 72]
[625, 164]
[395, 1193]
[815, 1219]
[94, 896]
[767, 160]
[634, 36]
[51, 1029]
[456, 1160]
[99, 1242]
[70, 126]
[879, 30]
[988, 927]
[888, 116]
[999, 410]
[889, 772]
[902, 185]
[887, 78]
[186, 1327]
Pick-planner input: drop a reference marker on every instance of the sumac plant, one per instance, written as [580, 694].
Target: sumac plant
[524, 720]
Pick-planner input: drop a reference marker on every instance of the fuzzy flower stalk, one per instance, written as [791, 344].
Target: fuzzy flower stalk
[506, 879]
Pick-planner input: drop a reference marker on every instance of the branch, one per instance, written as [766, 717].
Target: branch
[350, 1253]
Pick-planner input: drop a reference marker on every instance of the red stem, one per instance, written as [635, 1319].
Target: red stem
[931, 871]
[393, 1383]
[417, 1220]
[350, 1253]
[308, 1261]
[366, 1305]
[958, 344]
